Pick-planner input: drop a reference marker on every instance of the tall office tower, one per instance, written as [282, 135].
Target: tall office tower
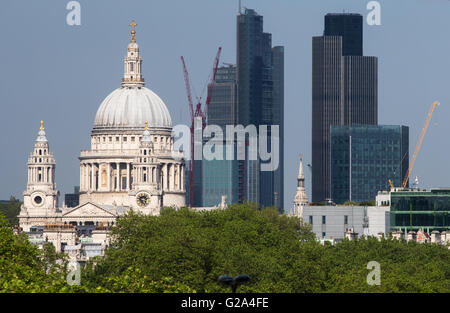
[364, 158]
[260, 79]
[344, 91]
[197, 181]
[350, 28]
[220, 177]
[223, 93]
[278, 119]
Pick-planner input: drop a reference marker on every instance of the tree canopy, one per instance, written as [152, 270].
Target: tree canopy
[11, 210]
[279, 253]
[186, 251]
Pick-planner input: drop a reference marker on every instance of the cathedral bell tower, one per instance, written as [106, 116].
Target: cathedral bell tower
[146, 176]
[41, 196]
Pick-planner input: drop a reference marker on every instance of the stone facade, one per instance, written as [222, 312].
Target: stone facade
[131, 165]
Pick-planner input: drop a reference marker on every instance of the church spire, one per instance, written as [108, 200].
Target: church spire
[132, 76]
[301, 177]
[300, 199]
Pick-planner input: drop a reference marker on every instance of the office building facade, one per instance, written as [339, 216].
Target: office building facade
[344, 91]
[221, 177]
[260, 81]
[363, 159]
[412, 210]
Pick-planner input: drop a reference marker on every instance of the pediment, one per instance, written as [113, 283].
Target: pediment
[88, 209]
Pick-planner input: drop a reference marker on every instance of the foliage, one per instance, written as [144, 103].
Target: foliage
[363, 203]
[405, 266]
[367, 203]
[278, 252]
[186, 251]
[25, 268]
[11, 210]
[133, 280]
[196, 248]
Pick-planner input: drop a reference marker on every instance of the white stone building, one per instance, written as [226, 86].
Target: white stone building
[131, 166]
[333, 222]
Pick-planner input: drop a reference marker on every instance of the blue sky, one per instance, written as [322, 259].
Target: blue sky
[61, 73]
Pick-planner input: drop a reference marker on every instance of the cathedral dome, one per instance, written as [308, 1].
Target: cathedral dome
[130, 107]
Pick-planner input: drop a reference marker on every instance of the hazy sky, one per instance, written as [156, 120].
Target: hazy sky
[61, 73]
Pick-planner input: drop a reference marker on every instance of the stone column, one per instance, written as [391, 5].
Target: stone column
[86, 176]
[92, 177]
[108, 179]
[172, 177]
[175, 176]
[118, 176]
[179, 176]
[165, 179]
[81, 177]
[128, 175]
[182, 177]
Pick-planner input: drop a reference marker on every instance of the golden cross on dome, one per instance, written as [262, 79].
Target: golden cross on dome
[42, 125]
[133, 32]
[146, 125]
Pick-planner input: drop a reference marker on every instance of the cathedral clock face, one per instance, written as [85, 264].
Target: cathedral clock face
[143, 199]
[38, 200]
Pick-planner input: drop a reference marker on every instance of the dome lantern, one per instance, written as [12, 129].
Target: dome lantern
[133, 63]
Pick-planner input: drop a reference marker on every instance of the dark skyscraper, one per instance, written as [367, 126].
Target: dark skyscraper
[278, 119]
[260, 79]
[223, 93]
[344, 91]
[350, 28]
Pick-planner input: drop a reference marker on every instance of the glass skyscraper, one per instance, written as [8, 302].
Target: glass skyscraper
[260, 81]
[221, 177]
[364, 158]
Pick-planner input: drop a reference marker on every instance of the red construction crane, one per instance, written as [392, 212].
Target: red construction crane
[203, 114]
